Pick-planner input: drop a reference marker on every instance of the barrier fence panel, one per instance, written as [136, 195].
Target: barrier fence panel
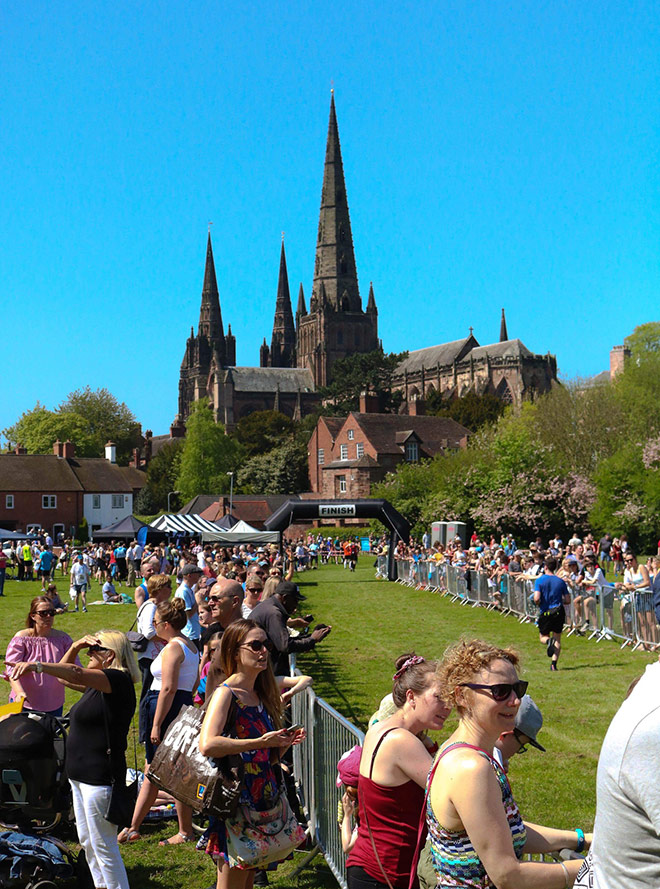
[329, 736]
[600, 613]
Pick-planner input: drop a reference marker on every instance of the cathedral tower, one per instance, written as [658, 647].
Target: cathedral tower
[209, 344]
[282, 352]
[336, 325]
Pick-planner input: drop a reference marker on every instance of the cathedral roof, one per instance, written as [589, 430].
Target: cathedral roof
[507, 349]
[445, 353]
[270, 379]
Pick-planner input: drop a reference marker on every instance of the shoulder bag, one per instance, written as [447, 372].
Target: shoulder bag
[137, 640]
[255, 839]
[208, 785]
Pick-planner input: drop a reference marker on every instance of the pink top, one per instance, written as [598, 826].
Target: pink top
[43, 692]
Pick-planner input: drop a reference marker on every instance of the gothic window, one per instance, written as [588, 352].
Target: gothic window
[504, 392]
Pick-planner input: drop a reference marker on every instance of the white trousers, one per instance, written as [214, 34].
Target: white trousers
[97, 836]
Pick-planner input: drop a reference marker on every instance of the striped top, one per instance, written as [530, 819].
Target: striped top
[455, 860]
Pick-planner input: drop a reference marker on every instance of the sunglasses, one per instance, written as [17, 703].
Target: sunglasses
[93, 649]
[523, 744]
[49, 612]
[501, 691]
[258, 644]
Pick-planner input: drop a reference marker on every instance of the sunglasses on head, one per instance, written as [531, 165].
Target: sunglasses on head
[258, 644]
[501, 691]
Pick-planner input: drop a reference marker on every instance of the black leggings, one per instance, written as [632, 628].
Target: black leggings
[358, 878]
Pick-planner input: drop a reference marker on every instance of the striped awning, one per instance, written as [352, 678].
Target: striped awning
[192, 525]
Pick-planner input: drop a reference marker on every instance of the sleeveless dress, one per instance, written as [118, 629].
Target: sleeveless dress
[455, 859]
[261, 788]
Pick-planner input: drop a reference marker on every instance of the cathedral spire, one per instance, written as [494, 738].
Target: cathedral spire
[210, 319]
[371, 302]
[335, 259]
[504, 336]
[301, 311]
[283, 342]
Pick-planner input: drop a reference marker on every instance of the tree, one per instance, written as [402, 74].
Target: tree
[107, 419]
[283, 470]
[645, 338]
[370, 371]
[87, 418]
[261, 431]
[472, 411]
[207, 455]
[162, 475]
[38, 429]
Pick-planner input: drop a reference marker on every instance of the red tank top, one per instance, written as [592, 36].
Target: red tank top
[393, 814]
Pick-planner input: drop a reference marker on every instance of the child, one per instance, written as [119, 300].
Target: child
[348, 771]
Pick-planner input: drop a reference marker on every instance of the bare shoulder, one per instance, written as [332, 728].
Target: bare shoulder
[464, 761]
[22, 634]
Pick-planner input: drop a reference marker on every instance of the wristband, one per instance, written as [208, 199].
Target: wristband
[580, 836]
[566, 876]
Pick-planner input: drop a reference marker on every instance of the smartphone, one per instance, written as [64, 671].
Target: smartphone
[309, 618]
[294, 728]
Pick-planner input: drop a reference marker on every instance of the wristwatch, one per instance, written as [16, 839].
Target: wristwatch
[38, 667]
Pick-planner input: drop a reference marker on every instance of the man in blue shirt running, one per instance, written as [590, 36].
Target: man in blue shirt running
[551, 594]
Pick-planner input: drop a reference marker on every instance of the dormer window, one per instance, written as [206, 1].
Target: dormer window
[412, 451]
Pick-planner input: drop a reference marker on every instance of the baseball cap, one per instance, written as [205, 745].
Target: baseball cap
[529, 720]
[286, 588]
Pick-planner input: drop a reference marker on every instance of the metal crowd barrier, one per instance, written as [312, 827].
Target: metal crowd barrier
[329, 735]
[627, 618]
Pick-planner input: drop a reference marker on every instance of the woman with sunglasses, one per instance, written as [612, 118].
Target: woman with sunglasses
[39, 641]
[244, 651]
[393, 769]
[96, 743]
[175, 673]
[476, 832]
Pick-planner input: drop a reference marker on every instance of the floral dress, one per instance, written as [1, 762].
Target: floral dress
[261, 789]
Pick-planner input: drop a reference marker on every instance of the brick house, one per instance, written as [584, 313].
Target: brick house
[54, 491]
[348, 455]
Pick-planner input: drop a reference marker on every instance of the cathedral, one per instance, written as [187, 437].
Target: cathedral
[303, 348]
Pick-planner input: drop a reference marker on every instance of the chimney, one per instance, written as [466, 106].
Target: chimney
[177, 429]
[368, 403]
[20, 451]
[618, 358]
[111, 451]
[135, 462]
[58, 448]
[416, 407]
[68, 450]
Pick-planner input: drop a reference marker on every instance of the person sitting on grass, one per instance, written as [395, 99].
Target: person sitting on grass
[54, 598]
[110, 594]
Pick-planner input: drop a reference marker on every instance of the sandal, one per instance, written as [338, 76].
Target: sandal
[128, 835]
[177, 840]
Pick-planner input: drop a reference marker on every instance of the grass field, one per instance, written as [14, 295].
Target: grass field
[373, 622]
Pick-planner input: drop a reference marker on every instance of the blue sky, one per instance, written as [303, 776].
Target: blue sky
[496, 154]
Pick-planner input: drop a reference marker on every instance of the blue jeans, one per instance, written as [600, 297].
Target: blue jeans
[3, 572]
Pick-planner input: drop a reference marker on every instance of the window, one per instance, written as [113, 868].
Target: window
[359, 450]
[351, 434]
[9, 501]
[117, 501]
[343, 452]
[96, 501]
[342, 484]
[412, 451]
[49, 501]
[321, 454]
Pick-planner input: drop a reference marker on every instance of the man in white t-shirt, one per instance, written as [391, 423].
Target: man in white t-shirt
[626, 847]
[80, 581]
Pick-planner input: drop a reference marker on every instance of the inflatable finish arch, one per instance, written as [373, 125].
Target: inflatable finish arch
[294, 510]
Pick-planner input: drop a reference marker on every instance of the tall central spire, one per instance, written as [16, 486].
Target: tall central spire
[210, 318]
[335, 259]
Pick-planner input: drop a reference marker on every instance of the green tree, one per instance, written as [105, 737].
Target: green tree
[283, 470]
[261, 431]
[162, 474]
[371, 371]
[472, 411]
[107, 419]
[39, 428]
[207, 455]
[644, 339]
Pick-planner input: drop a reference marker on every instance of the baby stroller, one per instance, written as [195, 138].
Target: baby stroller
[34, 796]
